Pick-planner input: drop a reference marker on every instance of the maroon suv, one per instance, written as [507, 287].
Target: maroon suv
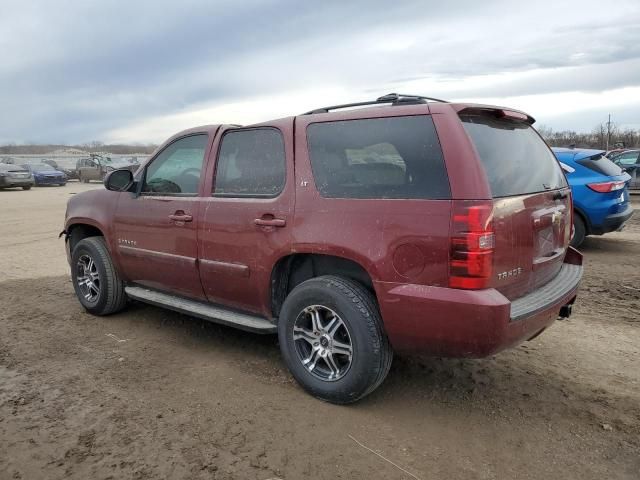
[414, 225]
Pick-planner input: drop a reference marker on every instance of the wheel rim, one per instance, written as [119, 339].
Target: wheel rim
[88, 278]
[322, 342]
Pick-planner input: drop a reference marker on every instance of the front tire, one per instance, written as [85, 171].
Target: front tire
[579, 231]
[332, 339]
[27, 187]
[95, 280]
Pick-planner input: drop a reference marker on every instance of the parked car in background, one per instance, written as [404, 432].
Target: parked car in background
[15, 176]
[44, 174]
[438, 228]
[629, 161]
[600, 192]
[97, 166]
[67, 166]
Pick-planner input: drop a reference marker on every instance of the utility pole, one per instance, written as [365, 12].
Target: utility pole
[608, 133]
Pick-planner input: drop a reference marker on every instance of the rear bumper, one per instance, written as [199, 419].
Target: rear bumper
[473, 323]
[8, 182]
[613, 222]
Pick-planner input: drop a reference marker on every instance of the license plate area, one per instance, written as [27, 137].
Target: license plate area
[549, 229]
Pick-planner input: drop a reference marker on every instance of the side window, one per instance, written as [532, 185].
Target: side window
[395, 157]
[176, 171]
[627, 158]
[251, 163]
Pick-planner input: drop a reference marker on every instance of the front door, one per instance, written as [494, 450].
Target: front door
[246, 222]
[94, 170]
[156, 229]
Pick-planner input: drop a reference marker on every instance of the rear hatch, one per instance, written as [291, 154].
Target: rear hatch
[14, 171]
[531, 201]
[19, 173]
[611, 181]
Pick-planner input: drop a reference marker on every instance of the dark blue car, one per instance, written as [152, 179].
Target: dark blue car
[44, 174]
[600, 192]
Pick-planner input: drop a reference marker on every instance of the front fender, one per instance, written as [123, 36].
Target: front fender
[93, 209]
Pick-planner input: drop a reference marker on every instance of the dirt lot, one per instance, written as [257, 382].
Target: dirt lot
[153, 394]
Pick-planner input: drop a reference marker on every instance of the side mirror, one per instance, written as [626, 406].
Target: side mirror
[119, 180]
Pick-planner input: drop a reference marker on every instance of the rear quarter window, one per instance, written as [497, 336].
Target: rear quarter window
[515, 158]
[601, 164]
[394, 157]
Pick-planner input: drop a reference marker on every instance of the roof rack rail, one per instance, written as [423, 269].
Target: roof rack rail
[392, 98]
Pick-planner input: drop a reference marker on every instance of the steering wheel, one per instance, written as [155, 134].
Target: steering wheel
[196, 171]
[161, 185]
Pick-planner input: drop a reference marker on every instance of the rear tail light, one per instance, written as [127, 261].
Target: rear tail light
[605, 187]
[472, 244]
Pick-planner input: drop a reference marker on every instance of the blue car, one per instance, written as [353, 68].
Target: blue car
[44, 174]
[600, 192]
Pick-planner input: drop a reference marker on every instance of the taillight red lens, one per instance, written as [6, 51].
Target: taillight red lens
[472, 244]
[606, 187]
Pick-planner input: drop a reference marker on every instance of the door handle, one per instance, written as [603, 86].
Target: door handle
[270, 222]
[180, 216]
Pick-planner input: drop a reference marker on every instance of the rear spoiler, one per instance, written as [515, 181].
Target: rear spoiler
[498, 112]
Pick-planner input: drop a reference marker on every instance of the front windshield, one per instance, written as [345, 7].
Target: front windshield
[117, 162]
[66, 163]
[42, 168]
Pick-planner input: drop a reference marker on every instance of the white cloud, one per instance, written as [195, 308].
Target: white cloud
[74, 73]
[248, 111]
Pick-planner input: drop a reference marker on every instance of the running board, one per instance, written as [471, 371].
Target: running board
[202, 310]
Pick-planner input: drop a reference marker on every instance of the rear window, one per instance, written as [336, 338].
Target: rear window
[515, 158]
[395, 157]
[601, 164]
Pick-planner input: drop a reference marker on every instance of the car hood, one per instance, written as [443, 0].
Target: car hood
[132, 167]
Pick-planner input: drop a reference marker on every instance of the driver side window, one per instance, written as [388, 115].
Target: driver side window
[176, 171]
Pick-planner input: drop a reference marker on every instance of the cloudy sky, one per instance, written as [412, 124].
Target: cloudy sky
[138, 71]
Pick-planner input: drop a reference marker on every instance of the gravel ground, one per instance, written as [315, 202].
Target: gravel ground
[153, 394]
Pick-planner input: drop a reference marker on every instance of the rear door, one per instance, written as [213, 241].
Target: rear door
[532, 201]
[247, 214]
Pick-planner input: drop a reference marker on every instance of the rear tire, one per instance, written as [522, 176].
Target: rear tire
[27, 187]
[339, 351]
[579, 231]
[95, 280]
